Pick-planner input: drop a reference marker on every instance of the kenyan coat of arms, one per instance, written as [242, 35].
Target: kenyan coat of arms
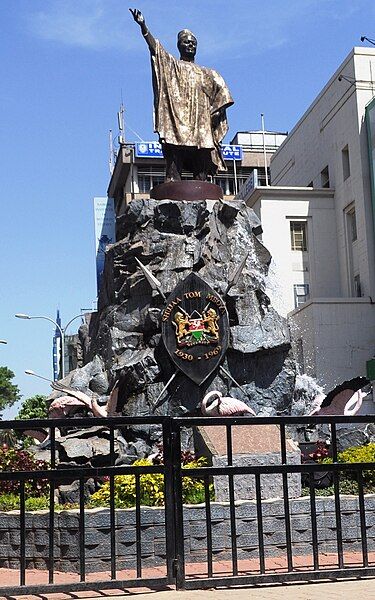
[195, 328]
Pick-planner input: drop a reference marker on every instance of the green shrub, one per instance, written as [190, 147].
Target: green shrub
[348, 479]
[192, 487]
[360, 454]
[152, 488]
[346, 486]
[40, 503]
[9, 502]
[357, 454]
[12, 502]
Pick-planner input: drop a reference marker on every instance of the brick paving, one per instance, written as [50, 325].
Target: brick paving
[306, 591]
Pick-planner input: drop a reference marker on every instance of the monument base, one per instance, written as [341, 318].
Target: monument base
[252, 445]
[191, 190]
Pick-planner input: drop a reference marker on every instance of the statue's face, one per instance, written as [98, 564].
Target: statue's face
[187, 46]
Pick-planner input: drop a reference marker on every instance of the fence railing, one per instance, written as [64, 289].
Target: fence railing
[151, 547]
[56, 475]
[293, 569]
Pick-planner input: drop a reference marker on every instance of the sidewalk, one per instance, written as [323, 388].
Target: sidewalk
[333, 590]
[326, 589]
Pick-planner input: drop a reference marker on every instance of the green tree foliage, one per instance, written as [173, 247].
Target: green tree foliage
[9, 392]
[33, 408]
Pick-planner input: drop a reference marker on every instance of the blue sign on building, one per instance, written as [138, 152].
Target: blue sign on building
[148, 150]
[250, 184]
[105, 232]
[230, 152]
[153, 150]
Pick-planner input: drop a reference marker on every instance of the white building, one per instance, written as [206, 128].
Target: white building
[318, 224]
[299, 230]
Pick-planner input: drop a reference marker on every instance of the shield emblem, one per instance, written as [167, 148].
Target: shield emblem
[195, 328]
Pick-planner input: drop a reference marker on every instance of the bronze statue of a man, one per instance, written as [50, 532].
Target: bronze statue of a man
[190, 105]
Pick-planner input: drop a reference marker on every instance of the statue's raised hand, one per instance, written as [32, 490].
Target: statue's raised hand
[137, 16]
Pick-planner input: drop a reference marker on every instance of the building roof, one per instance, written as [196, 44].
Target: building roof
[357, 50]
[291, 192]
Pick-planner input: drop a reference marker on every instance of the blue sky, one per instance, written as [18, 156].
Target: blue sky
[65, 65]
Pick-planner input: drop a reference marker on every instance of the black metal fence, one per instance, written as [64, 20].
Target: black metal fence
[56, 475]
[173, 570]
[291, 572]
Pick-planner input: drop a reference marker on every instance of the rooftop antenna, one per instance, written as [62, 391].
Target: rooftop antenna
[364, 37]
[120, 119]
[111, 153]
[264, 148]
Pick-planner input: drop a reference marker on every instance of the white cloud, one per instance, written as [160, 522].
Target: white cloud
[100, 24]
[84, 23]
[242, 27]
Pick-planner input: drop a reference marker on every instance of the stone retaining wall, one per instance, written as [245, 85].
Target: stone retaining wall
[97, 534]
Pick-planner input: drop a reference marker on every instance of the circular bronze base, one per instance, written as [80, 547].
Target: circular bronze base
[190, 189]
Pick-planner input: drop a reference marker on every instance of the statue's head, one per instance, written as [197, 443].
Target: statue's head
[187, 44]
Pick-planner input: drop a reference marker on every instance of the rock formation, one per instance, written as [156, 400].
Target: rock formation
[123, 339]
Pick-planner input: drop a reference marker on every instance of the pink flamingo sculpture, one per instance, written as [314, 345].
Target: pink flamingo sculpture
[345, 399]
[77, 398]
[63, 406]
[214, 404]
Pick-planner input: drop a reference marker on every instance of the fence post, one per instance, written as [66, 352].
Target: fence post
[169, 500]
[178, 506]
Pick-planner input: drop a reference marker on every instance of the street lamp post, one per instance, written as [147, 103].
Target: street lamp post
[62, 331]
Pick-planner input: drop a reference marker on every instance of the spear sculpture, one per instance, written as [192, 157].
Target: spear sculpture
[234, 277]
[154, 283]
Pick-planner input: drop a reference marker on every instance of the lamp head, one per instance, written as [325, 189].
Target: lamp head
[30, 372]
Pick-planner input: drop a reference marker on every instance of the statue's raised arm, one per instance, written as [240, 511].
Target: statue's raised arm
[139, 18]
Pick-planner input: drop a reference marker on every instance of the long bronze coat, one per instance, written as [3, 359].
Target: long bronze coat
[190, 103]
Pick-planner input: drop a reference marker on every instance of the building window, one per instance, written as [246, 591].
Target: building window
[148, 178]
[226, 184]
[324, 177]
[298, 235]
[352, 225]
[357, 287]
[352, 251]
[262, 176]
[300, 355]
[345, 162]
[301, 293]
